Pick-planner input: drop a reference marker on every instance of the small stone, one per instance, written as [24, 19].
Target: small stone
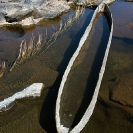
[130, 88]
[70, 115]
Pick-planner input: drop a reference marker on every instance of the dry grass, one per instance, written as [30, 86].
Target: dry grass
[28, 50]
[3, 68]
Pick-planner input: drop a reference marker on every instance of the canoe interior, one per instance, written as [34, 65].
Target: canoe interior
[82, 79]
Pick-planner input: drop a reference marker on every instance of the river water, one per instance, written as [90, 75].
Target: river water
[38, 115]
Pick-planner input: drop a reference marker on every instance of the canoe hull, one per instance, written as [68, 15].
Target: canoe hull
[60, 128]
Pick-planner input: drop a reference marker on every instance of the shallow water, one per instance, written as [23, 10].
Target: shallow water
[43, 67]
[38, 115]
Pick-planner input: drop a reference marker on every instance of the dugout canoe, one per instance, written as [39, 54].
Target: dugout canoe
[60, 127]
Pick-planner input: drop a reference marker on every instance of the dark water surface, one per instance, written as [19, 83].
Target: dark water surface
[38, 115]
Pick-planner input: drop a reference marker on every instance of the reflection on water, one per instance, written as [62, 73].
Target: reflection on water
[14, 32]
[30, 116]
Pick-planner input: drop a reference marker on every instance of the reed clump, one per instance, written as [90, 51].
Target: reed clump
[27, 50]
[63, 26]
[2, 68]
